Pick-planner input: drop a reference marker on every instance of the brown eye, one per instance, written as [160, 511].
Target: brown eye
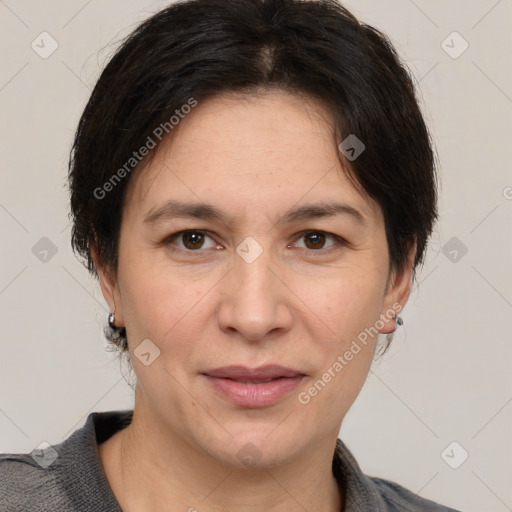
[193, 239]
[190, 240]
[316, 240]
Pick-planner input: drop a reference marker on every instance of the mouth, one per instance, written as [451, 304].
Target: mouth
[256, 387]
[254, 381]
[246, 375]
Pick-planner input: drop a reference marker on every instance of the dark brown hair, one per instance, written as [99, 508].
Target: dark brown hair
[195, 49]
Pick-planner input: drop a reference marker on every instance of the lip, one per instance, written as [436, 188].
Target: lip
[240, 384]
[269, 371]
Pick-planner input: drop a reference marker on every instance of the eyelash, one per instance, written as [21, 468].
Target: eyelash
[339, 240]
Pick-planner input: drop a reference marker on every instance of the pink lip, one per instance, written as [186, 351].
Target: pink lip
[240, 384]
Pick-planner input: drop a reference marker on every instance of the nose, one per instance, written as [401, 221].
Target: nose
[255, 302]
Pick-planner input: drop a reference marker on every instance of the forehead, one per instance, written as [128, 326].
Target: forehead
[267, 151]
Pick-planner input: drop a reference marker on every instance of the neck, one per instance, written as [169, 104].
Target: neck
[150, 468]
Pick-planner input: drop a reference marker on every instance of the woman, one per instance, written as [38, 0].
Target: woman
[254, 186]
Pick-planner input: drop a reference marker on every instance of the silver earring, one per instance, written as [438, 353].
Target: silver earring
[399, 320]
[111, 321]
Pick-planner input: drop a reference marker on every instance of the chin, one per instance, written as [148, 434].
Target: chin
[251, 449]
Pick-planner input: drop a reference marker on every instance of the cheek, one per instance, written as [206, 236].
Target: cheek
[166, 307]
[343, 343]
[347, 301]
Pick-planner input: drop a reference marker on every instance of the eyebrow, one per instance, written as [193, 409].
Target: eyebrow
[204, 211]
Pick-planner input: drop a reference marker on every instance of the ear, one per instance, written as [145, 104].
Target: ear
[109, 288]
[397, 294]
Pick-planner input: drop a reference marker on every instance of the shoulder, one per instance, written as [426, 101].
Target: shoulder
[63, 477]
[25, 484]
[400, 499]
[363, 492]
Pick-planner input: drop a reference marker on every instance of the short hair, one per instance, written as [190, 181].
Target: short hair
[196, 49]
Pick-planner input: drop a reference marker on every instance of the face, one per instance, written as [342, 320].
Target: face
[261, 272]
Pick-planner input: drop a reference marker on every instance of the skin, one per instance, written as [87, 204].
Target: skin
[300, 304]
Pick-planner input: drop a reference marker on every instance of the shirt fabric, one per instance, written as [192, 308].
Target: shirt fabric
[69, 477]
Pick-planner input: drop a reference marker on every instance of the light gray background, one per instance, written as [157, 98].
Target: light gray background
[447, 376]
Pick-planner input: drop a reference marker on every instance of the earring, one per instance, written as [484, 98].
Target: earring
[111, 321]
[398, 320]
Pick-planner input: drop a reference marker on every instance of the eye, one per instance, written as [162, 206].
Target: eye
[191, 240]
[315, 240]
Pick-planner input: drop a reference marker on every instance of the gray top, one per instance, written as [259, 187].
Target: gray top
[69, 477]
